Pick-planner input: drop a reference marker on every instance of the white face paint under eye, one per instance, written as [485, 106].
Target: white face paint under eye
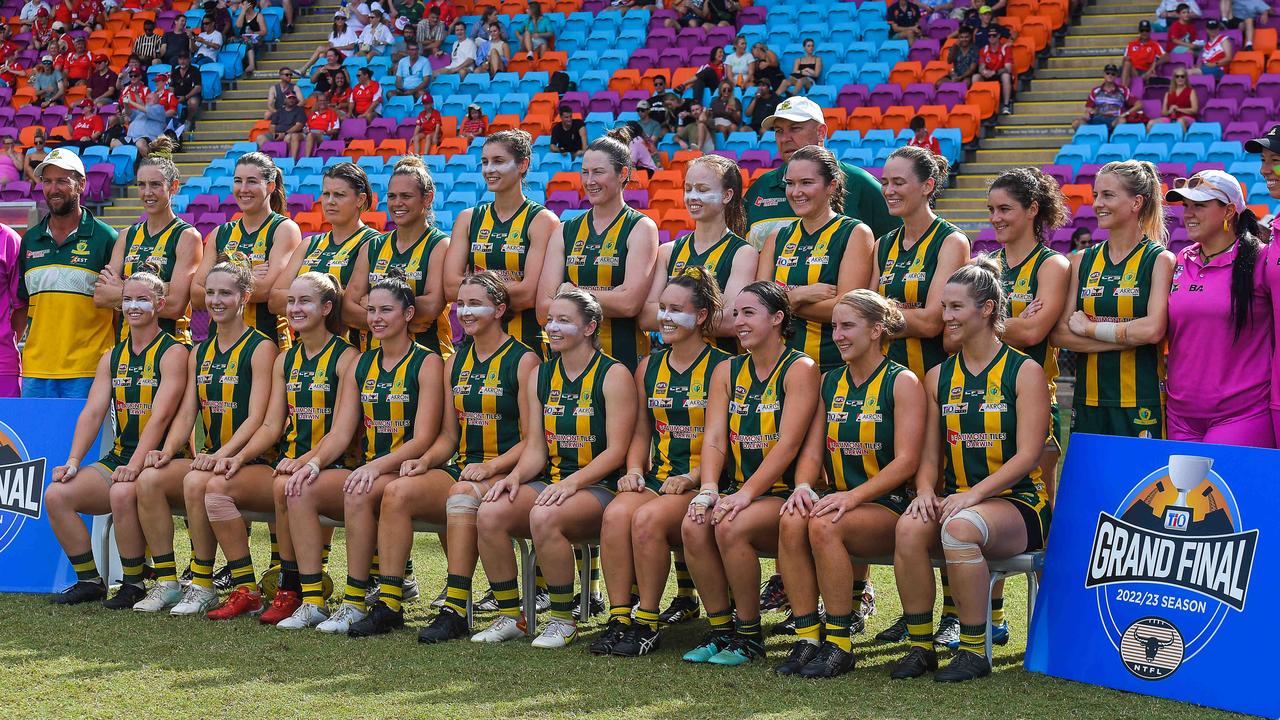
[503, 167]
[560, 328]
[475, 311]
[679, 319]
[309, 308]
[706, 198]
[137, 305]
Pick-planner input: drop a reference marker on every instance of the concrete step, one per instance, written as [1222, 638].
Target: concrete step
[1017, 143]
[1015, 156]
[1116, 41]
[1059, 63]
[1048, 107]
[1095, 20]
[1019, 117]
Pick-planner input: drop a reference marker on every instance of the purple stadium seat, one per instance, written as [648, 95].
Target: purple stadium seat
[675, 57]
[404, 130]
[720, 36]
[27, 115]
[300, 202]
[917, 94]
[1234, 87]
[692, 38]
[561, 200]
[659, 16]
[227, 206]
[753, 160]
[330, 148]
[754, 15]
[1170, 171]
[882, 96]
[1153, 91]
[97, 186]
[1257, 109]
[1219, 111]
[732, 155]
[1087, 174]
[577, 100]
[1086, 217]
[644, 58]
[353, 129]
[206, 222]
[6, 115]
[21, 190]
[382, 128]
[636, 198]
[950, 94]
[852, 96]
[1241, 131]
[1268, 86]
[276, 148]
[941, 29]
[8, 131]
[201, 204]
[1208, 166]
[630, 98]
[924, 50]
[664, 237]
[605, 101]
[660, 38]
[1064, 174]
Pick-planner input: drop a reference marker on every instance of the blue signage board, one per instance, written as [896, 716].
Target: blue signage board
[35, 437]
[1159, 572]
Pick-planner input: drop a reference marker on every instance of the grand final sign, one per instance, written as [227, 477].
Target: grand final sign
[1160, 571]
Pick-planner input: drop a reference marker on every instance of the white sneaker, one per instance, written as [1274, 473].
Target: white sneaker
[196, 601]
[557, 634]
[159, 598]
[503, 629]
[305, 617]
[410, 591]
[340, 622]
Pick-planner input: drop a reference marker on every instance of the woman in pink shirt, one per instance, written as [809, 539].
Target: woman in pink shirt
[1220, 322]
[13, 314]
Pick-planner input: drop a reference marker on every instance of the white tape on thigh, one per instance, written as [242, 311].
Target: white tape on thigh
[220, 507]
[957, 551]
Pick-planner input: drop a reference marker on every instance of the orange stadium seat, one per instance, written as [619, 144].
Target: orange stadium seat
[1247, 62]
[967, 119]
[863, 119]
[986, 95]
[1273, 62]
[552, 61]
[666, 180]
[391, 147]
[906, 72]
[360, 147]
[1264, 40]
[1020, 8]
[1024, 55]
[681, 160]
[1038, 28]
[1055, 10]
[646, 80]
[624, 80]
[520, 65]
[537, 125]
[935, 116]
[24, 95]
[451, 146]
[1013, 23]
[566, 181]
[1078, 195]
[897, 118]
[375, 219]
[309, 221]
[836, 118]
[935, 69]
[683, 75]
[664, 200]
[675, 221]
[504, 122]
[547, 102]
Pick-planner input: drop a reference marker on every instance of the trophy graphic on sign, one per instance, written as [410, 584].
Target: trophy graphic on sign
[1186, 472]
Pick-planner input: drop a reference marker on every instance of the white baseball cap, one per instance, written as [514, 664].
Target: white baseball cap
[795, 109]
[61, 158]
[1208, 185]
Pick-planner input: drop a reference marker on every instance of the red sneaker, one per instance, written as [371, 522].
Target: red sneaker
[242, 601]
[285, 602]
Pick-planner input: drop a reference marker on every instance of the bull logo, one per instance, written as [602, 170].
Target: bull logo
[1152, 648]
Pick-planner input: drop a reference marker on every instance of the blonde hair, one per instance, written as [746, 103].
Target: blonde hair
[1140, 178]
[982, 275]
[875, 309]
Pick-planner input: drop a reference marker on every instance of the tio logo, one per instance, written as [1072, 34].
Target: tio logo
[1177, 519]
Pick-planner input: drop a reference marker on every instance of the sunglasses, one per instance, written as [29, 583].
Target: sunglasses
[1179, 76]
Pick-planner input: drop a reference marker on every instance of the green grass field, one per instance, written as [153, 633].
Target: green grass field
[88, 662]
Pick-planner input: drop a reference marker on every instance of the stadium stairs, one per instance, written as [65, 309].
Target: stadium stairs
[1044, 107]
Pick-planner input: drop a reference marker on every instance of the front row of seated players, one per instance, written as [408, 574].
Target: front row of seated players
[728, 456]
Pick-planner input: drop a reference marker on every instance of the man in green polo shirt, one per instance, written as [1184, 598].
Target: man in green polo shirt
[60, 260]
[798, 122]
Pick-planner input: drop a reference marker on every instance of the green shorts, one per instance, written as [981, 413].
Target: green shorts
[895, 502]
[1055, 429]
[1037, 521]
[1140, 422]
[111, 462]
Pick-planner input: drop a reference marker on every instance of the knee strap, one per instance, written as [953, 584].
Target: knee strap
[463, 507]
[959, 552]
[220, 507]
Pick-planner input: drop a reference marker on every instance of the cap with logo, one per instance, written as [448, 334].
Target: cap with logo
[61, 158]
[1144, 26]
[1270, 141]
[47, 59]
[1212, 24]
[642, 105]
[1111, 69]
[795, 109]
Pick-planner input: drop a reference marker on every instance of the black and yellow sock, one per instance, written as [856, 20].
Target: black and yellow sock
[684, 581]
[276, 560]
[242, 572]
[561, 601]
[312, 588]
[507, 594]
[166, 568]
[808, 627]
[647, 617]
[919, 629]
[353, 595]
[948, 603]
[202, 573]
[324, 557]
[86, 569]
[391, 591]
[837, 629]
[620, 613]
[457, 592]
[997, 610]
[131, 570]
[289, 575]
[974, 639]
[595, 570]
[375, 566]
[722, 620]
[859, 587]
[749, 629]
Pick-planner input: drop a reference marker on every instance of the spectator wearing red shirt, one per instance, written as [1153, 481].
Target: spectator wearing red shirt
[340, 93]
[63, 11]
[88, 15]
[366, 96]
[41, 29]
[165, 96]
[995, 60]
[1143, 55]
[475, 124]
[429, 128]
[78, 65]
[922, 137]
[447, 11]
[135, 93]
[1182, 33]
[86, 127]
[322, 124]
[8, 48]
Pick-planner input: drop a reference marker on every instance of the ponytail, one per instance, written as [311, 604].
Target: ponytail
[1248, 247]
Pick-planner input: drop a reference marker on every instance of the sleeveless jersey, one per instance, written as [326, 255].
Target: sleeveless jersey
[134, 381]
[1118, 293]
[597, 262]
[234, 237]
[755, 414]
[803, 258]
[1021, 284]
[905, 276]
[1214, 48]
[388, 400]
[717, 260]
[336, 259]
[311, 393]
[224, 384]
[503, 246]
[573, 417]
[486, 400]
[160, 250]
[383, 254]
[859, 424]
[677, 407]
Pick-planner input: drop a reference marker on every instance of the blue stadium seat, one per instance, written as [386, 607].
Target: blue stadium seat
[1190, 153]
[123, 158]
[876, 32]
[1131, 133]
[1205, 132]
[861, 157]
[1074, 155]
[1153, 152]
[1113, 152]
[1223, 151]
[309, 165]
[534, 82]
[222, 167]
[874, 73]
[878, 139]
[1091, 135]
[893, 52]
[949, 142]
[1167, 133]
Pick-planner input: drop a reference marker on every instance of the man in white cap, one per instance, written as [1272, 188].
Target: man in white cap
[60, 262]
[797, 122]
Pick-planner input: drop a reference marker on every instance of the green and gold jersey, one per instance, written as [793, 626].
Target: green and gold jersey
[235, 237]
[677, 407]
[573, 417]
[502, 246]
[1021, 284]
[486, 400]
[161, 251]
[905, 276]
[717, 260]
[385, 254]
[135, 380]
[755, 418]
[598, 261]
[1118, 292]
[310, 393]
[388, 400]
[803, 258]
[224, 384]
[860, 427]
[336, 259]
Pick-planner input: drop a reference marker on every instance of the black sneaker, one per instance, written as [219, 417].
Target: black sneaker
[185, 578]
[639, 640]
[895, 633]
[82, 592]
[773, 596]
[683, 608]
[596, 606]
[487, 603]
[948, 634]
[222, 578]
[802, 651]
[380, 621]
[613, 633]
[964, 665]
[829, 662]
[915, 663]
[447, 625]
[786, 627]
[858, 624]
[125, 598]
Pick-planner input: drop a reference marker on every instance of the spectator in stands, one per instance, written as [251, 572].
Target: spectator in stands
[35, 155]
[207, 42]
[366, 96]
[987, 26]
[188, 86]
[493, 53]
[904, 20]
[1167, 12]
[341, 38]
[1109, 103]
[117, 127]
[432, 33]
[69, 334]
[1143, 55]
[642, 149]
[708, 75]
[9, 48]
[102, 83]
[429, 127]
[694, 131]
[1219, 50]
[726, 110]
[288, 125]
[413, 74]
[358, 15]
[462, 56]
[474, 125]
[149, 118]
[690, 13]
[29, 12]
[276, 93]
[738, 63]
[1245, 12]
[723, 13]
[9, 68]
[411, 10]
[42, 31]
[221, 16]
[538, 34]
[922, 137]
[323, 76]
[89, 15]
[86, 125]
[448, 13]
[340, 92]
[995, 62]
[1081, 239]
[77, 65]
[657, 103]
[963, 57]
[12, 161]
[376, 38]
[126, 74]
[47, 81]
[1181, 104]
[762, 105]
[1182, 32]
[678, 111]
[805, 71]
[323, 124]
[147, 46]
[488, 16]
[765, 66]
[176, 42]
[569, 136]
[251, 28]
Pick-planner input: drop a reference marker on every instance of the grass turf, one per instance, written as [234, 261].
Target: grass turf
[86, 662]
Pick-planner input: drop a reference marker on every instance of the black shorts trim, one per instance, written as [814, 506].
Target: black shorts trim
[1031, 519]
